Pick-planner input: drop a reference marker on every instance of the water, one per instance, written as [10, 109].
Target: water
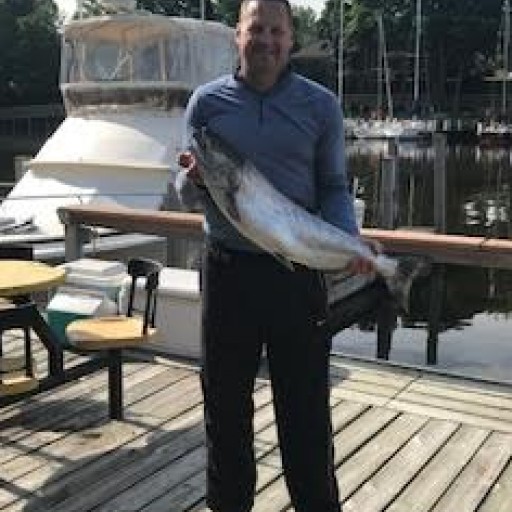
[476, 316]
[476, 320]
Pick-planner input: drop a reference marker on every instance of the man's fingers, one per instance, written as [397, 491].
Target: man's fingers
[185, 159]
[360, 266]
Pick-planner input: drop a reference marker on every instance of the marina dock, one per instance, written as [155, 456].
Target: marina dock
[406, 439]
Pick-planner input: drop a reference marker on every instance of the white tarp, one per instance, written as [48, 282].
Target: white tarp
[118, 159]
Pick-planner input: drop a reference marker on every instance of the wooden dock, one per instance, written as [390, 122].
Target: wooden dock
[407, 440]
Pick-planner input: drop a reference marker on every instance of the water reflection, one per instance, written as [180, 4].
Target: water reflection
[478, 185]
[478, 203]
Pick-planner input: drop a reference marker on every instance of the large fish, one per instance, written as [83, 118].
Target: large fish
[281, 227]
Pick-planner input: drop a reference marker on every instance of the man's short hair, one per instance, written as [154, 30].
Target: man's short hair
[286, 3]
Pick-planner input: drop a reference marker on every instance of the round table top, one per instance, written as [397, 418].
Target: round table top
[19, 277]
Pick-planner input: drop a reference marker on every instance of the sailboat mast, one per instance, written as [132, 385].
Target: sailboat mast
[506, 45]
[340, 53]
[416, 92]
[380, 67]
[387, 74]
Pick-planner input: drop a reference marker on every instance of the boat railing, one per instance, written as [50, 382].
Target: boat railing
[15, 219]
[81, 196]
[176, 226]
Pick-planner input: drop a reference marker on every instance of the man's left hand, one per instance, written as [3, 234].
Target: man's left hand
[363, 266]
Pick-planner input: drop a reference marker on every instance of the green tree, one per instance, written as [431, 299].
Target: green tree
[227, 11]
[187, 8]
[305, 26]
[29, 61]
[90, 8]
[458, 44]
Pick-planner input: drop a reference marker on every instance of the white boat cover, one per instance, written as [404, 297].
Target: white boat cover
[121, 159]
[125, 81]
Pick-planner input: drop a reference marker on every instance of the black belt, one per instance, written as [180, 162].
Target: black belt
[226, 255]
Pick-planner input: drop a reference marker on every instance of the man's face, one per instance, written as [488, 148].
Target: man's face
[264, 37]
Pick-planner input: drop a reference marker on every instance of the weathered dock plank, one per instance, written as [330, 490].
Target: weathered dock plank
[271, 488]
[84, 436]
[466, 406]
[166, 468]
[452, 415]
[470, 489]
[374, 454]
[405, 440]
[380, 490]
[463, 395]
[436, 477]
[500, 496]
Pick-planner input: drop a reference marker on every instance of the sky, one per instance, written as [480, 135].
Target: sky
[66, 6]
[316, 5]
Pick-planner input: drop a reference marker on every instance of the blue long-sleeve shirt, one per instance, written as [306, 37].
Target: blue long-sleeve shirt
[294, 136]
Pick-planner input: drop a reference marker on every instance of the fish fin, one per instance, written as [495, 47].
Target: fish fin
[284, 261]
[232, 208]
[400, 284]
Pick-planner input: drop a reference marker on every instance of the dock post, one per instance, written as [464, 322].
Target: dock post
[387, 219]
[437, 278]
[388, 207]
[437, 285]
[75, 237]
[178, 248]
[412, 198]
[440, 151]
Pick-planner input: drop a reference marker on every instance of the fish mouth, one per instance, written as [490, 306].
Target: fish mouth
[209, 142]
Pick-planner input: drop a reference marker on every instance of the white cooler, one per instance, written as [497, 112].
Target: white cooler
[93, 274]
[92, 289]
[70, 303]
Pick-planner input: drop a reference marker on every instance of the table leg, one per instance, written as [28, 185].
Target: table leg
[49, 340]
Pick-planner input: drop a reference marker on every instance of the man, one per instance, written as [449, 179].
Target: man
[291, 128]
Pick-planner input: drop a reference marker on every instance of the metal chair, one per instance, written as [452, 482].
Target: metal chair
[114, 333]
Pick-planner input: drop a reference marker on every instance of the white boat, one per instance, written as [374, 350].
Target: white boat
[495, 132]
[401, 129]
[392, 128]
[125, 80]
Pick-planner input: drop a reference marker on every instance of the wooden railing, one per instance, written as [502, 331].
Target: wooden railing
[77, 219]
[457, 249]
[438, 248]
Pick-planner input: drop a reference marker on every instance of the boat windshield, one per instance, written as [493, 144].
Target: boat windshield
[145, 49]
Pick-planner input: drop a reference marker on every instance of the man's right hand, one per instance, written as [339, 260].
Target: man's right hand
[187, 161]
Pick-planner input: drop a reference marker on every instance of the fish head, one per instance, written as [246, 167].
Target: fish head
[220, 165]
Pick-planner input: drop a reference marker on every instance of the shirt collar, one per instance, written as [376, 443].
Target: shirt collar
[281, 82]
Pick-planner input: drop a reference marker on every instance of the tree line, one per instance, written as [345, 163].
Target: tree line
[460, 45]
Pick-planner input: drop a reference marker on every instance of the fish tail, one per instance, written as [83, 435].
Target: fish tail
[399, 285]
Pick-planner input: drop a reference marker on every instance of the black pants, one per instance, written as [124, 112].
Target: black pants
[250, 300]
